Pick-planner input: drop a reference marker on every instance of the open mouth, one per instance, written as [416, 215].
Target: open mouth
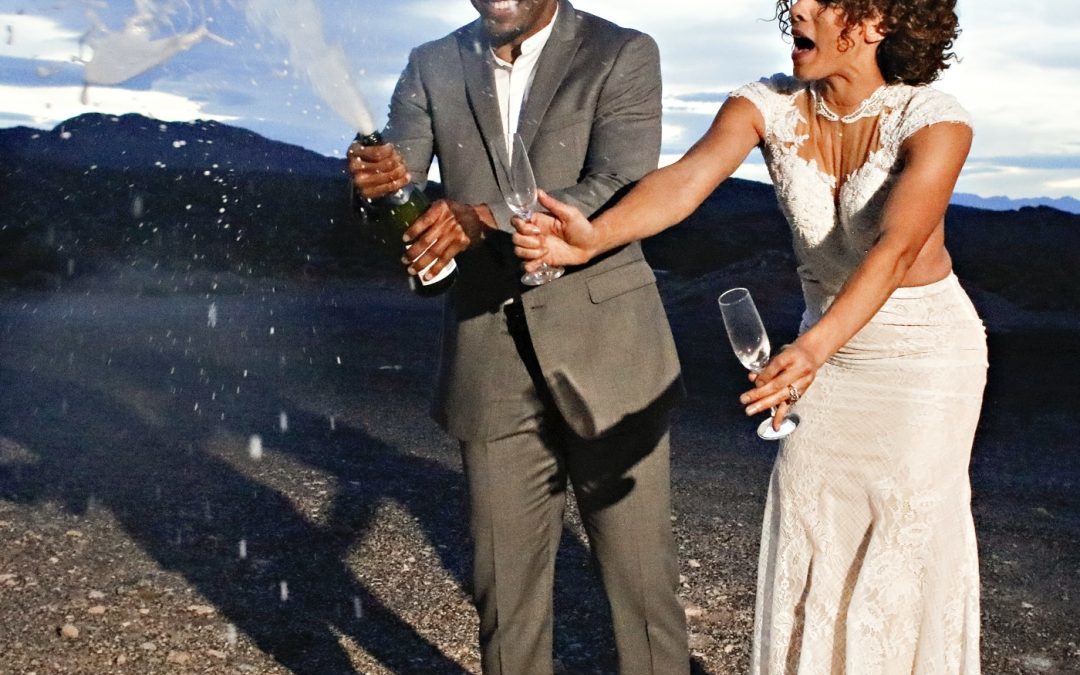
[802, 43]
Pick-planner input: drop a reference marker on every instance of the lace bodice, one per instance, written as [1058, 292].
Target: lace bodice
[833, 173]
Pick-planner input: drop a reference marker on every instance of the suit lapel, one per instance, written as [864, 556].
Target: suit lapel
[551, 69]
[483, 99]
[550, 72]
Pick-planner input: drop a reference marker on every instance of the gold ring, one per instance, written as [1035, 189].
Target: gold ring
[793, 393]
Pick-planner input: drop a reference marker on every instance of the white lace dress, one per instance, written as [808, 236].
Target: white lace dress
[868, 559]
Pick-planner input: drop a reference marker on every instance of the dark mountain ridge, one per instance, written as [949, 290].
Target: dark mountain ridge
[132, 141]
[209, 195]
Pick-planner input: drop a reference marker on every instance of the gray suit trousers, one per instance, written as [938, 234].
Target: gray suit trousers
[518, 474]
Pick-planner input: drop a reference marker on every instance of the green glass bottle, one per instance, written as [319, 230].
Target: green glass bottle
[392, 215]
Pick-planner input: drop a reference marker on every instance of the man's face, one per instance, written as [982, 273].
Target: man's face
[508, 20]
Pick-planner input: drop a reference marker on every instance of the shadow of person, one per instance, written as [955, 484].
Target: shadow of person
[290, 589]
[157, 431]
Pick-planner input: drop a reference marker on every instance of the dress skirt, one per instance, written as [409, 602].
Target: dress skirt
[868, 559]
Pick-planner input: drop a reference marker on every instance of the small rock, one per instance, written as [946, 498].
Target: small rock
[720, 617]
[729, 648]
[73, 533]
[217, 654]
[201, 610]
[148, 646]
[1037, 663]
[121, 660]
[693, 614]
[69, 632]
[693, 564]
[178, 657]
[97, 610]
[96, 595]
[700, 642]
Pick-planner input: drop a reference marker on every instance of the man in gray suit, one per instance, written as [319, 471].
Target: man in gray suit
[573, 379]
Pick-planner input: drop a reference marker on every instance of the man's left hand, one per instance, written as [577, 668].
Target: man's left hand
[446, 229]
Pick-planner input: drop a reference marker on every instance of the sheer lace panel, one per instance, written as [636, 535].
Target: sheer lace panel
[837, 146]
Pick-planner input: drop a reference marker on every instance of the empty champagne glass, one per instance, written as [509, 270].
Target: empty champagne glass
[521, 198]
[751, 345]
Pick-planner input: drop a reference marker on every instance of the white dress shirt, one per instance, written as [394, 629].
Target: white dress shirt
[512, 80]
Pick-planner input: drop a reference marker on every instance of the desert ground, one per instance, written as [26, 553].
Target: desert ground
[209, 473]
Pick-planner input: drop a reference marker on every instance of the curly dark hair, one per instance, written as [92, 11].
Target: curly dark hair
[919, 34]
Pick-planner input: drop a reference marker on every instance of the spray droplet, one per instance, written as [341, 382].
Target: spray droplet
[283, 421]
[255, 447]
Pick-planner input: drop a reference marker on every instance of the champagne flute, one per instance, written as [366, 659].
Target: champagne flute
[521, 198]
[751, 345]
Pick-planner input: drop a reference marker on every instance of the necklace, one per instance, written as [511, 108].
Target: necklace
[870, 107]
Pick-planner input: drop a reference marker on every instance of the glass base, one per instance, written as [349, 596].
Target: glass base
[765, 430]
[542, 275]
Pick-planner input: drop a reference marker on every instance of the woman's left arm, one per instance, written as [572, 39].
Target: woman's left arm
[915, 208]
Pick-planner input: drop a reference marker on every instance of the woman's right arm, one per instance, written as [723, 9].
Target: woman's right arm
[659, 200]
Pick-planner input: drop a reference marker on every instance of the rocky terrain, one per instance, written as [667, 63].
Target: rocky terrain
[207, 473]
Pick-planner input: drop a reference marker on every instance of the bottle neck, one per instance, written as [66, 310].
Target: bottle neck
[374, 138]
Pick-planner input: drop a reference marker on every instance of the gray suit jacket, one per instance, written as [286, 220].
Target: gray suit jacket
[592, 126]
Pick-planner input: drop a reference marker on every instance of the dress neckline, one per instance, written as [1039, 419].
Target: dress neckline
[871, 106]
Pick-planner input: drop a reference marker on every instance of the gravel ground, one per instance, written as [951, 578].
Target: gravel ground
[208, 474]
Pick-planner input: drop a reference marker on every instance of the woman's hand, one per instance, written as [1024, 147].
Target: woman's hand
[782, 382]
[561, 237]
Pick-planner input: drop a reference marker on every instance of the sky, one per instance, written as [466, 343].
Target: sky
[311, 72]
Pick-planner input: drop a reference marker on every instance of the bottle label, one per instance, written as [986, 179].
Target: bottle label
[446, 271]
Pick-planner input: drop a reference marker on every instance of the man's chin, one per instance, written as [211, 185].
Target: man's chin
[499, 33]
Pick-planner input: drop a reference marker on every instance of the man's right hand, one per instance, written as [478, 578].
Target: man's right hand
[377, 170]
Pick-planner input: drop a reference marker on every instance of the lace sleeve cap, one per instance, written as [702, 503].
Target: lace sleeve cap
[767, 94]
[929, 106]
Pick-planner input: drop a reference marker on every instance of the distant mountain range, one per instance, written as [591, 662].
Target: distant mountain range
[208, 195]
[1001, 203]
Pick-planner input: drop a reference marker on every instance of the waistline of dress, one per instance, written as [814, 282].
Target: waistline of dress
[818, 299]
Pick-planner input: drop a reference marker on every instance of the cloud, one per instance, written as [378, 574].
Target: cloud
[45, 106]
[26, 36]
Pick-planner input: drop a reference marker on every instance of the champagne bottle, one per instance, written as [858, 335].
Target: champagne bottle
[392, 215]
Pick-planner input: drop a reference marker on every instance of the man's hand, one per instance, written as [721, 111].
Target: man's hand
[377, 170]
[445, 229]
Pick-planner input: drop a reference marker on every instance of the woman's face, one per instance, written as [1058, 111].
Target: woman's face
[819, 50]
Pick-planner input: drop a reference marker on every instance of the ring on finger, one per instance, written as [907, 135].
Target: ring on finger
[793, 393]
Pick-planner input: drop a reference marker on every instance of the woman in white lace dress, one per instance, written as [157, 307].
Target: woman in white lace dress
[868, 559]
